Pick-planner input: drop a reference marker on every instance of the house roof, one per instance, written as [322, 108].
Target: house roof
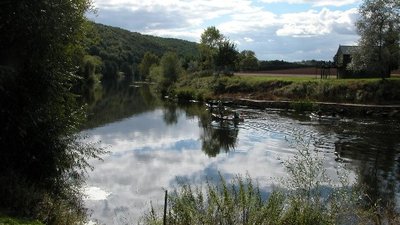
[346, 49]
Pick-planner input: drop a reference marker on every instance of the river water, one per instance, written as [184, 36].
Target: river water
[153, 145]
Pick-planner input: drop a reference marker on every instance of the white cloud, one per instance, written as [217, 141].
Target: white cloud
[243, 21]
[314, 23]
[247, 39]
[315, 2]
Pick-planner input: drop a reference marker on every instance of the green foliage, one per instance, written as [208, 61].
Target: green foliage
[110, 70]
[238, 202]
[5, 220]
[149, 59]
[89, 72]
[217, 53]
[155, 73]
[122, 50]
[211, 38]
[247, 61]
[301, 89]
[186, 94]
[302, 106]
[42, 158]
[226, 57]
[379, 46]
[168, 72]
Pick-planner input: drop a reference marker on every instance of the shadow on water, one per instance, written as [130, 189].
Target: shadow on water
[370, 147]
[119, 100]
[374, 149]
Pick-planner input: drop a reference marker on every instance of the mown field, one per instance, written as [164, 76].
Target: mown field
[304, 72]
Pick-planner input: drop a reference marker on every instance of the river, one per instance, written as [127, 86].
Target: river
[153, 145]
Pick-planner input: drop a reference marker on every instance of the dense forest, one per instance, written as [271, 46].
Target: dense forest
[120, 51]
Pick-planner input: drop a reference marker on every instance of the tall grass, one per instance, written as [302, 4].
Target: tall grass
[307, 196]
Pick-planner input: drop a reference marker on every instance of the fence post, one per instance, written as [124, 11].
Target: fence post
[165, 207]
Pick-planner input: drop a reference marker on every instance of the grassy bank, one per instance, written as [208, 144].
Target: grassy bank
[6, 220]
[365, 91]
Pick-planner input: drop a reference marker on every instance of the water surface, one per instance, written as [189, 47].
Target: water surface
[155, 144]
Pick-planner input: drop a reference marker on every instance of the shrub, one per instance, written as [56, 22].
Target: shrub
[301, 106]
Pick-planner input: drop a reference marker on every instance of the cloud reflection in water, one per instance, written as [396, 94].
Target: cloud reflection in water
[147, 156]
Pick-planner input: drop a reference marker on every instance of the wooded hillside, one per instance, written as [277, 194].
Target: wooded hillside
[121, 50]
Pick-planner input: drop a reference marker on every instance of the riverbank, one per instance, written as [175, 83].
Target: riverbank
[6, 220]
[361, 97]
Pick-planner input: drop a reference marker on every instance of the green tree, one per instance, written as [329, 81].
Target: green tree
[217, 53]
[170, 68]
[379, 28]
[89, 72]
[149, 59]
[210, 41]
[110, 70]
[247, 61]
[226, 57]
[127, 69]
[167, 73]
[42, 158]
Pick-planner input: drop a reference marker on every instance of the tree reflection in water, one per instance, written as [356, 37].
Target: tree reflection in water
[219, 137]
[170, 113]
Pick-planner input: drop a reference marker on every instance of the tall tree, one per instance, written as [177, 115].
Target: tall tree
[226, 57]
[41, 155]
[248, 61]
[149, 59]
[170, 68]
[217, 52]
[210, 41]
[379, 28]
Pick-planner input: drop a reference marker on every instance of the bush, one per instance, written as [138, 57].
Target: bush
[301, 106]
[185, 94]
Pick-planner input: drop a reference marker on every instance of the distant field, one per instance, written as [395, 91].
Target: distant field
[304, 72]
[311, 72]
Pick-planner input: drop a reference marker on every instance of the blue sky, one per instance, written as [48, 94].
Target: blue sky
[291, 30]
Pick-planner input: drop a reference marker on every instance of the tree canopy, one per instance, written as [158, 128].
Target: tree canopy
[217, 53]
[248, 61]
[122, 51]
[41, 156]
[379, 28]
[149, 59]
